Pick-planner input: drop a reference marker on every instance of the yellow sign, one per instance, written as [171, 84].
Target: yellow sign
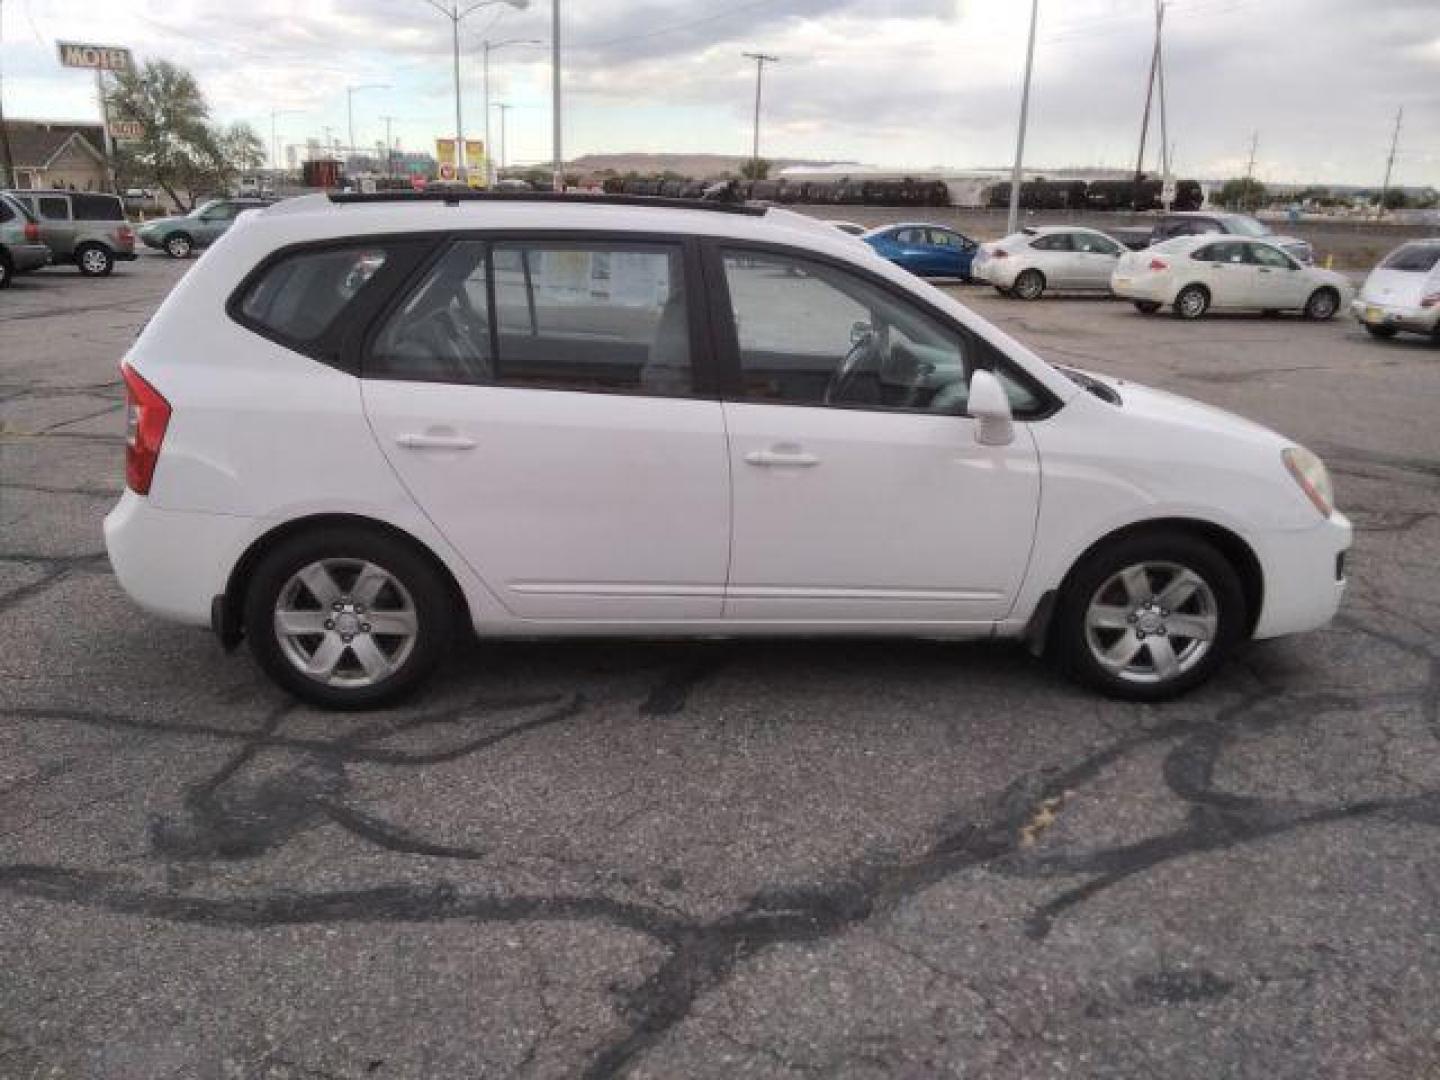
[445, 151]
[474, 160]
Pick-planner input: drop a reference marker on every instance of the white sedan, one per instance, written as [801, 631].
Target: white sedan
[1028, 262]
[1192, 274]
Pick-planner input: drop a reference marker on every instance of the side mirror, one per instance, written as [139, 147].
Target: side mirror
[990, 407]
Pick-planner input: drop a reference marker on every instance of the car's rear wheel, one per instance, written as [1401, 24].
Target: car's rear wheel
[1381, 331]
[1322, 305]
[347, 619]
[1002, 290]
[1149, 616]
[7, 272]
[179, 246]
[94, 260]
[1192, 302]
[1147, 307]
[1030, 285]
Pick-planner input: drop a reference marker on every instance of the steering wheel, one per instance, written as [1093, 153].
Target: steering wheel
[850, 367]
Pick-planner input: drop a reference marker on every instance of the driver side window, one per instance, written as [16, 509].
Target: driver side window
[812, 334]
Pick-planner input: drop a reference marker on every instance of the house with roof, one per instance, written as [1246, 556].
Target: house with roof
[56, 154]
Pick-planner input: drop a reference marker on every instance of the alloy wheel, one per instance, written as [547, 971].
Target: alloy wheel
[94, 261]
[345, 622]
[1151, 622]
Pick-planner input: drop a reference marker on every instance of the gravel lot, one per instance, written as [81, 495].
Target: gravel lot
[837, 859]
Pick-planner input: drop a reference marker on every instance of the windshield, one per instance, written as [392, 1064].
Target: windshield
[1414, 258]
[199, 211]
[1244, 225]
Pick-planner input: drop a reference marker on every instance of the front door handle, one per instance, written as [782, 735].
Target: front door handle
[435, 441]
[782, 456]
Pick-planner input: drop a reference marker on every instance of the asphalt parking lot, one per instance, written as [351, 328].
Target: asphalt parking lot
[715, 860]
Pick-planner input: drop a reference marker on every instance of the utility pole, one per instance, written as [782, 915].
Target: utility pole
[504, 111]
[761, 59]
[1149, 98]
[1014, 218]
[7, 161]
[1165, 159]
[1390, 164]
[389, 149]
[486, 48]
[557, 181]
[1250, 173]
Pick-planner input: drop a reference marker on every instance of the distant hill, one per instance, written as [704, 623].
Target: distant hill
[700, 166]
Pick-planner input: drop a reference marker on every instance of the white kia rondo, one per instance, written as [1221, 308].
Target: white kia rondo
[362, 424]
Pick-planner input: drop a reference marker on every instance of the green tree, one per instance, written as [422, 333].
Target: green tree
[1427, 199]
[1242, 192]
[1395, 199]
[180, 151]
[755, 169]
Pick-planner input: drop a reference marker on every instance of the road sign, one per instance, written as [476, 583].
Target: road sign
[79, 54]
[127, 130]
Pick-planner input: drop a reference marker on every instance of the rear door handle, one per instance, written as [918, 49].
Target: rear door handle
[795, 458]
[435, 442]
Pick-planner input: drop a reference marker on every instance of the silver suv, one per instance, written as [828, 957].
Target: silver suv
[82, 228]
[21, 249]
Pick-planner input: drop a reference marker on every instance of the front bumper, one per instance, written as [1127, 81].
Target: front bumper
[173, 562]
[1415, 319]
[1305, 576]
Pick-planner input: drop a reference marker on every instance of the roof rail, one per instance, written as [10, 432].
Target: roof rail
[455, 198]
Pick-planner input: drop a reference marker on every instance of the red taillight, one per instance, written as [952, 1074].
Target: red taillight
[32, 233]
[146, 416]
[1159, 264]
[125, 235]
[1433, 300]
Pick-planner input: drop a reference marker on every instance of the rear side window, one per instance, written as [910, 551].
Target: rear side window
[1414, 258]
[97, 208]
[298, 298]
[53, 208]
[1053, 242]
[7, 214]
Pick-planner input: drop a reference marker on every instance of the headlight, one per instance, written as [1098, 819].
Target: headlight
[1312, 476]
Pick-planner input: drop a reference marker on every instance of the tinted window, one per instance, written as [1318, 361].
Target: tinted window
[299, 297]
[605, 317]
[7, 213]
[97, 208]
[1222, 253]
[221, 211]
[810, 334]
[1052, 242]
[1095, 244]
[53, 208]
[1414, 258]
[1265, 255]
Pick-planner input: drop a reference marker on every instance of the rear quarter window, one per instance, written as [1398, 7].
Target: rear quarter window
[97, 208]
[299, 297]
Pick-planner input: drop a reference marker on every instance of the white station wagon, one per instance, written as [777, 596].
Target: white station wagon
[362, 424]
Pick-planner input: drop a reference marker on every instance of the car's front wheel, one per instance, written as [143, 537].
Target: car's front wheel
[1030, 285]
[95, 260]
[1192, 302]
[7, 274]
[1149, 616]
[347, 619]
[179, 246]
[1322, 305]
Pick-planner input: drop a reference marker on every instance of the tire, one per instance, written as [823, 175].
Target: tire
[1380, 331]
[365, 668]
[1030, 285]
[1191, 302]
[1147, 307]
[94, 260]
[1322, 305]
[1104, 606]
[179, 246]
[1002, 290]
[7, 272]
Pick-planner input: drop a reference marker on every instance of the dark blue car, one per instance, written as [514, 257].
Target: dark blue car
[925, 250]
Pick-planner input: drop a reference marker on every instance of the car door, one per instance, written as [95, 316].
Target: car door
[57, 225]
[1226, 270]
[1280, 283]
[550, 407]
[913, 250]
[1095, 258]
[953, 252]
[861, 494]
[1054, 257]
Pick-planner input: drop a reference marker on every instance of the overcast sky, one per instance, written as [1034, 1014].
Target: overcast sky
[895, 82]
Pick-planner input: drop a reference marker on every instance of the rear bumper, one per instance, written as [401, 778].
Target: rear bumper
[25, 257]
[1416, 319]
[126, 256]
[1150, 287]
[1305, 576]
[172, 562]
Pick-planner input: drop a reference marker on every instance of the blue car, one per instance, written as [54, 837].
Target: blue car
[925, 250]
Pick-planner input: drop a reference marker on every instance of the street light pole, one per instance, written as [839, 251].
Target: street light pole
[504, 110]
[457, 14]
[350, 106]
[486, 48]
[1014, 219]
[557, 181]
[761, 59]
[389, 150]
